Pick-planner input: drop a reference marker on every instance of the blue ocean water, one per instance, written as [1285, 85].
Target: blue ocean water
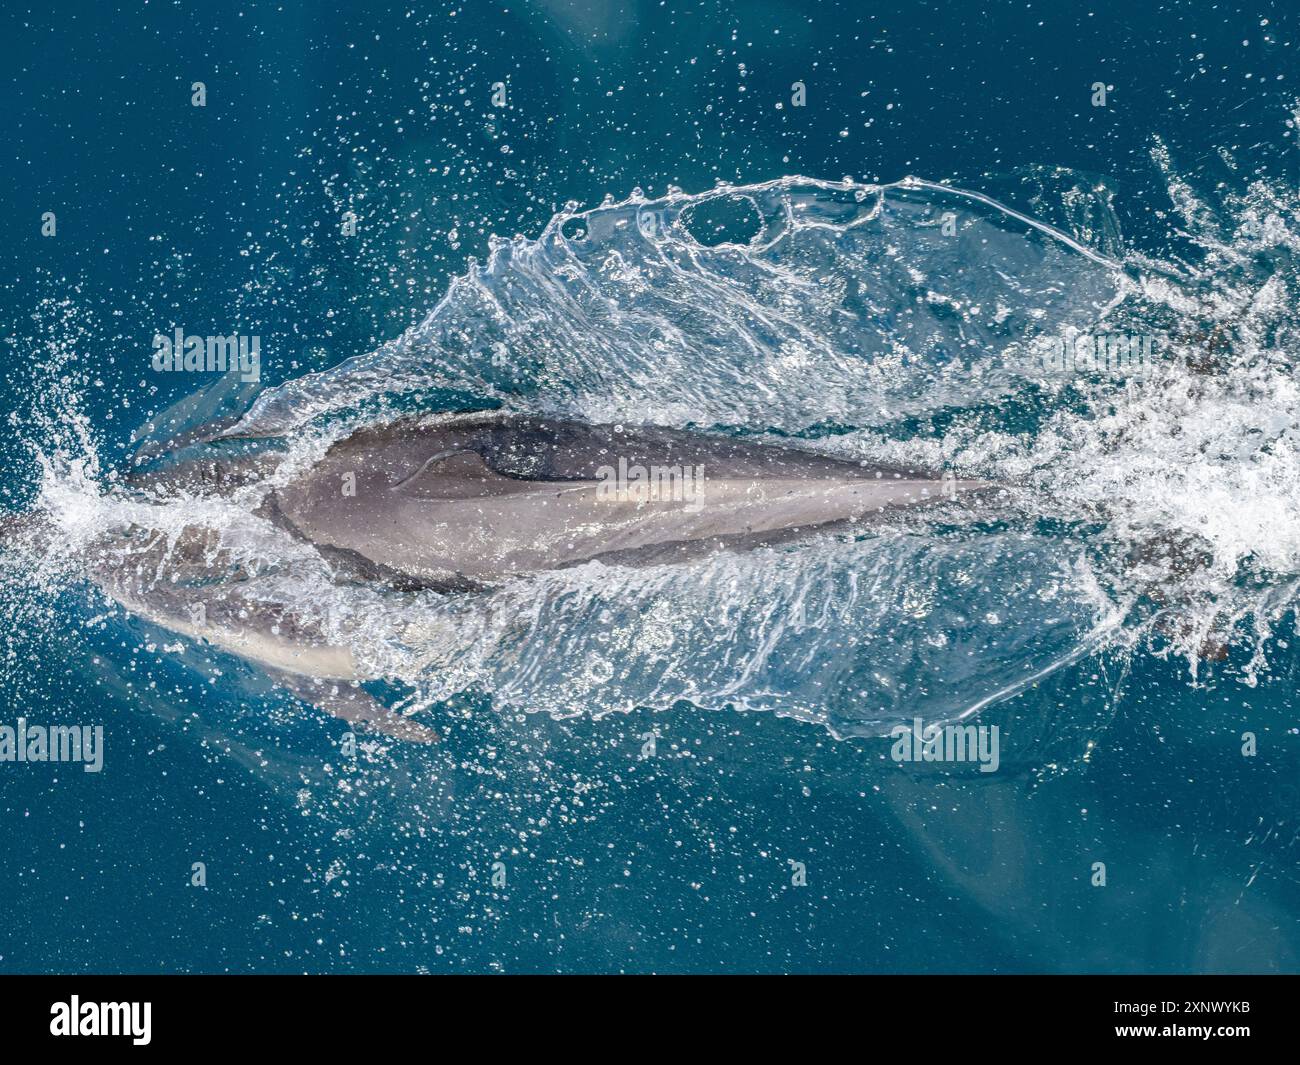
[770, 829]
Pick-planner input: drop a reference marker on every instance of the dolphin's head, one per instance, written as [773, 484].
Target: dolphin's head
[25, 531]
[206, 469]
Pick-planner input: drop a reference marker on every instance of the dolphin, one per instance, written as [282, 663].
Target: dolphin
[465, 501]
[462, 502]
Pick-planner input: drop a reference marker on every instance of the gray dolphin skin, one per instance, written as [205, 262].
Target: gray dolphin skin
[458, 502]
[448, 501]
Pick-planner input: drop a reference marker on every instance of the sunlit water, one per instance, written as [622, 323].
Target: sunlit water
[1123, 610]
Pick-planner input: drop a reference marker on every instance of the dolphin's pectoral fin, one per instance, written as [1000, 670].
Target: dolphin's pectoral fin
[354, 705]
[355, 565]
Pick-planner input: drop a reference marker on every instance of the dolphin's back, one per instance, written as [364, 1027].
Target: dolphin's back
[545, 449]
[539, 449]
[480, 497]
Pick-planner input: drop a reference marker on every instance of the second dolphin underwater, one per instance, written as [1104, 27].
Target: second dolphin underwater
[458, 502]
